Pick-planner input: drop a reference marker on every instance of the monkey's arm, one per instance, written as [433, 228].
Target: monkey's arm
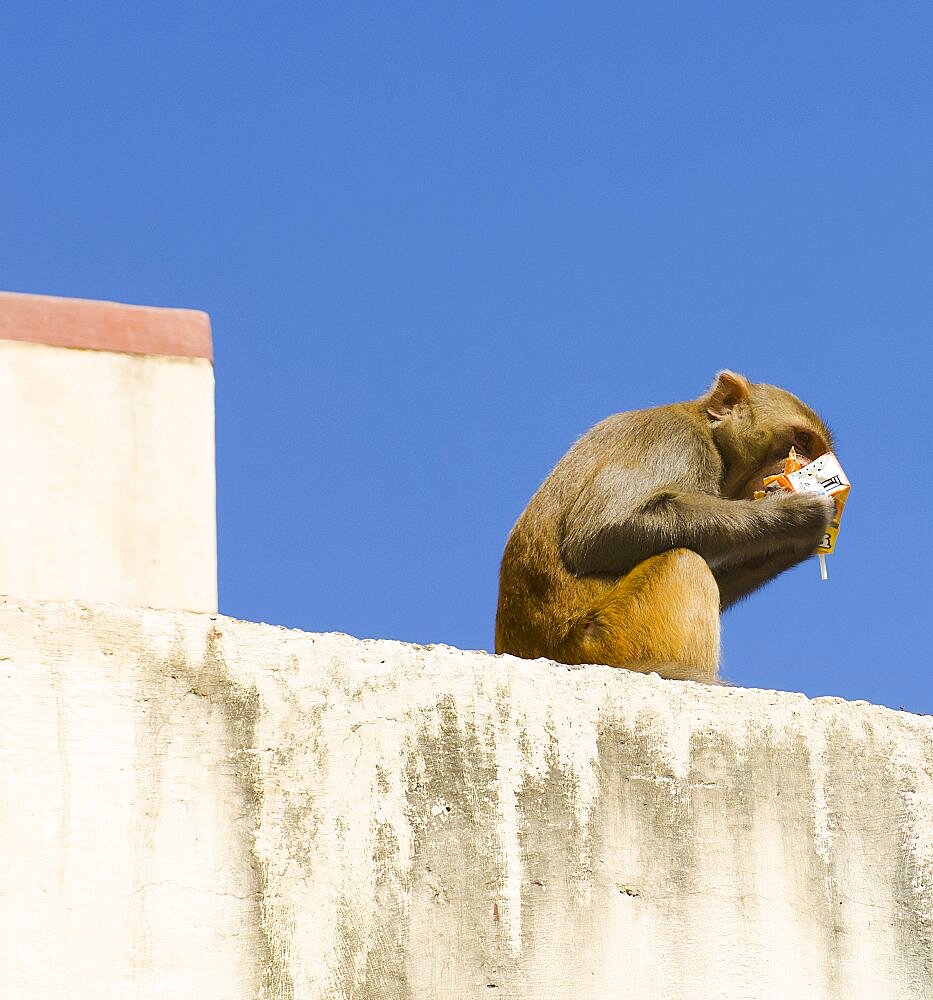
[610, 532]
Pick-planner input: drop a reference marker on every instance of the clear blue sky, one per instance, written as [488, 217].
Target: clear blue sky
[439, 242]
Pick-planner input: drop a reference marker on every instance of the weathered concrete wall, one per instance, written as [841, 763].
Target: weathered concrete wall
[198, 807]
[107, 490]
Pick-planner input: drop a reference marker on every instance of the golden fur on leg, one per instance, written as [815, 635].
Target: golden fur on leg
[663, 616]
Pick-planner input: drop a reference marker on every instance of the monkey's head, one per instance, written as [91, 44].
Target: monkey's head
[754, 426]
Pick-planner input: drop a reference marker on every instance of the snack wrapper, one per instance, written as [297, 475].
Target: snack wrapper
[822, 475]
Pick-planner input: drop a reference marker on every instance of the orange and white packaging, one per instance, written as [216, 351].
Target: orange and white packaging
[823, 475]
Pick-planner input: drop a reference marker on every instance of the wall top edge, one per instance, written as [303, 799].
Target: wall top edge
[448, 664]
[96, 325]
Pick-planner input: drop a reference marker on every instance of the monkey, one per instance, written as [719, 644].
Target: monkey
[646, 530]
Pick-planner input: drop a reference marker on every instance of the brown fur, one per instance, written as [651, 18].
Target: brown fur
[646, 529]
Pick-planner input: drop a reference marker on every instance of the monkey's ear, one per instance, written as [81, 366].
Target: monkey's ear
[726, 393]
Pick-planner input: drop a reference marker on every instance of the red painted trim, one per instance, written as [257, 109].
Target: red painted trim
[105, 326]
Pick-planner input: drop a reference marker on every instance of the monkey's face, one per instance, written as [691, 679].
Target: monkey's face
[808, 447]
[754, 426]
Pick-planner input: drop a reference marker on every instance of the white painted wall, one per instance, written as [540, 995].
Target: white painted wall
[107, 485]
[198, 807]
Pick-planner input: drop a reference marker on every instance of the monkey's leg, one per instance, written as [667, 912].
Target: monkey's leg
[738, 580]
[663, 616]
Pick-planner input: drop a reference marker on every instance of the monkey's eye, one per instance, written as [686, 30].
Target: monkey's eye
[803, 441]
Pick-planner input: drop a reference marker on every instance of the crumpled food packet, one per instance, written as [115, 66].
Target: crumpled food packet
[822, 475]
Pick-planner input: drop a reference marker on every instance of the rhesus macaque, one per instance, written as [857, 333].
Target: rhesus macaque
[647, 528]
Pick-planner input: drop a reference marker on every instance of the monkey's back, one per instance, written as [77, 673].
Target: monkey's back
[629, 455]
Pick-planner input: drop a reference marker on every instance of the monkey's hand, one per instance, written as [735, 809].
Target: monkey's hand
[802, 515]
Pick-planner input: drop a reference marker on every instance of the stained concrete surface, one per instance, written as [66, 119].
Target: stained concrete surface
[107, 488]
[195, 806]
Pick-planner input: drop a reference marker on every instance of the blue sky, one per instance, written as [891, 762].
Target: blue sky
[438, 242]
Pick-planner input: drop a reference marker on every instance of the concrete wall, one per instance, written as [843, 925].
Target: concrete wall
[198, 807]
[107, 453]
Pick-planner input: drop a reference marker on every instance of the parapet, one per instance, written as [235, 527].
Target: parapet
[107, 452]
[201, 807]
